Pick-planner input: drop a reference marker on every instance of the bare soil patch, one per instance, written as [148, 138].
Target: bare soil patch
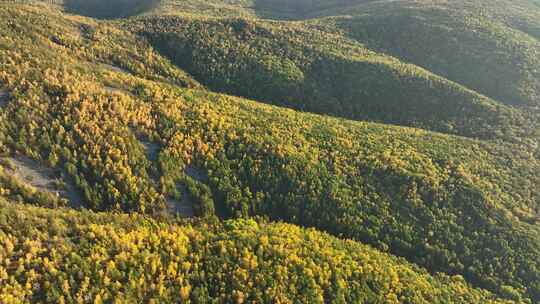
[113, 90]
[196, 173]
[182, 206]
[114, 68]
[4, 97]
[45, 179]
[152, 150]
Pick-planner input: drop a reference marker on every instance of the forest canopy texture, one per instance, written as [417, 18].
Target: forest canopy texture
[269, 151]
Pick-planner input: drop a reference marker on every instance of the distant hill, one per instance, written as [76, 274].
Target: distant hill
[106, 9]
[469, 43]
[300, 67]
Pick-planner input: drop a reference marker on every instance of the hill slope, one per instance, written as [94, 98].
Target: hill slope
[134, 133]
[437, 75]
[110, 9]
[474, 43]
[301, 67]
[238, 262]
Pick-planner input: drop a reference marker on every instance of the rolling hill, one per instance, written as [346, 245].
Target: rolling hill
[504, 54]
[145, 260]
[443, 88]
[302, 68]
[132, 116]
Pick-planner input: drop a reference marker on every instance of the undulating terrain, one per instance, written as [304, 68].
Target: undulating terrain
[270, 151]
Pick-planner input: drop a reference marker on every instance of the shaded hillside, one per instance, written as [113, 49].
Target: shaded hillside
[294, 66]
[237, 262]
[487, 52]
[463, 41]
[301, 9]
[107, 9]
[521, 15]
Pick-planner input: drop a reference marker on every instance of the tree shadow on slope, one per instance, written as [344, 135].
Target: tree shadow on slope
[110, 9]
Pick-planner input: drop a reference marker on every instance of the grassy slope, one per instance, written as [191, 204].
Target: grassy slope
[237, 262]
[447, 203]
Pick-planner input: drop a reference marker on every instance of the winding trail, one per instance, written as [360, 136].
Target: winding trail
[116, 69]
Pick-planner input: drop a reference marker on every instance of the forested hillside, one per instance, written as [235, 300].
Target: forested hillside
[311, 70]
[422, 173]
[238, 261]
[475, 47]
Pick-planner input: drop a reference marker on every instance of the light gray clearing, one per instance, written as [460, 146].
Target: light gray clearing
[151, 150]
[114, 68]
[44, 179]
[4, 97]
[182, 206]
[196, 173]
[117, 69]
[113, 90]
